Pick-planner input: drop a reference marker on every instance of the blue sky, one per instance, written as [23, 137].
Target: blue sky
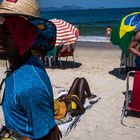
[90, 3]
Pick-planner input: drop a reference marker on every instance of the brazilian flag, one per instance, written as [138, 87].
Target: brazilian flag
[123, 33]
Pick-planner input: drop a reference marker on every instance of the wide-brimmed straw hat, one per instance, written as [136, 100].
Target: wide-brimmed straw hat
[21, 7]
[30, 10]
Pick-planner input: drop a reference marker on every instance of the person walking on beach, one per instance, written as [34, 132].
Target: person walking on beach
[72, 103]
[134, 46]
[108, 32]
[28, 102]
[108, 35]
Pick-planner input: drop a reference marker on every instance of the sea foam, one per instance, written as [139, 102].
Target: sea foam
[93, 38]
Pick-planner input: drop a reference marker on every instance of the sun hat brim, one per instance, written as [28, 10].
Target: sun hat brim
[23, 7]
[47, 30]
[7, 12]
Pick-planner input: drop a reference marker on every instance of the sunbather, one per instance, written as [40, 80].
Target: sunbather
[72, 103]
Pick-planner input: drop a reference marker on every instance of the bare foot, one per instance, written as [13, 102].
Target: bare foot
[91, 99]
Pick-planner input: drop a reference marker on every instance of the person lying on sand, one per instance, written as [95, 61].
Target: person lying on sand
[72, 103]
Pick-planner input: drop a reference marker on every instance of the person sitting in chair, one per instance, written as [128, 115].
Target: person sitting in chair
[72, 103]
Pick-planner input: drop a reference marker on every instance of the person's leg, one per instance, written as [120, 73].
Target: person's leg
[85, 87]
[75, 106]
[72, 91]
[74, 86]
[84, 90]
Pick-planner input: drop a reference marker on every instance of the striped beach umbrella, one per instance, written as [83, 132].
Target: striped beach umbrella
[66, 33]
[124, 31]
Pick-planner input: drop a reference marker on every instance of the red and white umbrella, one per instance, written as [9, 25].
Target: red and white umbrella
[66, 32]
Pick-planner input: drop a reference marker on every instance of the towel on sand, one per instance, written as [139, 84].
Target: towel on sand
[68, 123]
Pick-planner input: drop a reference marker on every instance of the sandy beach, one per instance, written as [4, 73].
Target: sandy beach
[96, 62]
[99, 64]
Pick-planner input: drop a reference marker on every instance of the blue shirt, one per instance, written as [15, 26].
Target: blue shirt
[28, 100]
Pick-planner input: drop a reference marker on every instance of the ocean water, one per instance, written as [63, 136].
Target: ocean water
[93, 22]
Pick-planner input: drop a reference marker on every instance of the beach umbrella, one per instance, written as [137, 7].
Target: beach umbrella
[66, 33]
[122, 34]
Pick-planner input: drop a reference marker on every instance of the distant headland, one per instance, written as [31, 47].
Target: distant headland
[66, 7]
[72, 7]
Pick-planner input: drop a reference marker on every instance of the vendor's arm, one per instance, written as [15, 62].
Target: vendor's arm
[135, 41]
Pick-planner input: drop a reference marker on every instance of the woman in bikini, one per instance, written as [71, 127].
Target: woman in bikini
[72, 103]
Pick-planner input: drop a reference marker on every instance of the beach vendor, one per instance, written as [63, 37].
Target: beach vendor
[28, 102]
[134, 47]
[72, 103]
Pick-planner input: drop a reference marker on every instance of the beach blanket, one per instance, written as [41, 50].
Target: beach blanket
[68, 123]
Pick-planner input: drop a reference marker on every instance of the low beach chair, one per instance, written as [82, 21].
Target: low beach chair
[132, 97]
[51, 56]
[66, 51]
[127, 62]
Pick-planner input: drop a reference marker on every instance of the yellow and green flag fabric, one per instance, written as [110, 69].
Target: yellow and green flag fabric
[123, 33]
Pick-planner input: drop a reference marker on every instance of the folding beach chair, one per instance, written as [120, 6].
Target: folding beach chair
[51, 56]
[66, 51]
[127, 62]
[132, 97]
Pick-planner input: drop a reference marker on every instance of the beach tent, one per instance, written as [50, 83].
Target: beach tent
[124, 31]
[66, 33]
